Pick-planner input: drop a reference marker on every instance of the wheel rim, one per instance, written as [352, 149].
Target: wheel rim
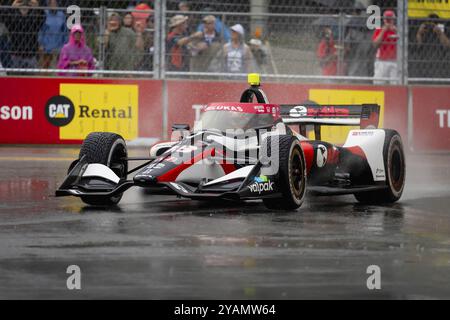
[116, 162]
[297, 173]
[396, 169]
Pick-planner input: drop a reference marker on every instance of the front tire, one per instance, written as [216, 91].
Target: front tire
[394, 162]
[291, 176]
[109, 149]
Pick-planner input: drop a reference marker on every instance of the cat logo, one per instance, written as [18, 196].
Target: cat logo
[59, 111]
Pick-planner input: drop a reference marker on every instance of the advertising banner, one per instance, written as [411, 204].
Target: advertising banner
[65, 111]
[431, 118]
[423, 8]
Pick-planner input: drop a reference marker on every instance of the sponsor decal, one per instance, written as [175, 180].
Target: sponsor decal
[274, 111]
[379, 173]
[338, 134]
[224, 108]
[98, 107]
[16, 113]
[259, 109]
[422, 8]
[179, 187]
[261, 184]
[171, 159]
[321, 157]
[186, 149]
[59, 111]
[151, 167]
[298, 111]
[362, 133]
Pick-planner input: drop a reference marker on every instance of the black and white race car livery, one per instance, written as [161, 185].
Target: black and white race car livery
[250, 150]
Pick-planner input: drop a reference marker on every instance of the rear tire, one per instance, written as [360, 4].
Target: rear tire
[394, 162]
[291, 176]
[109, 149]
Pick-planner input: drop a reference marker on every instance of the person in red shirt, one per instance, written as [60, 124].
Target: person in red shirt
[385, 41]
[326, 53]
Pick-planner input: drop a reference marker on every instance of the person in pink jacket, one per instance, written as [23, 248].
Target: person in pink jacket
[76, 55]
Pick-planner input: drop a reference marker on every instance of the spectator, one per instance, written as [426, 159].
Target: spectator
[431, 50]
[23, 24]
[143, 24]
[128, 20]
[237, 56]
[385, 41]
[76, 55]
[327, 53]
[121, 45]
[260, 52]
[358, 54]
[220, 27]
[135, 3]
[184, 6]
[5, 56]
[142, 12]
[209, 44]
[177, 42]
[52, 36]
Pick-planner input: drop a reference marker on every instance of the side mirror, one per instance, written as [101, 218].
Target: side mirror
[181, 127]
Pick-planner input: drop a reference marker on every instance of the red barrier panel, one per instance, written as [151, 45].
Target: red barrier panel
[56, 110]
[431, 118]
[33, 111]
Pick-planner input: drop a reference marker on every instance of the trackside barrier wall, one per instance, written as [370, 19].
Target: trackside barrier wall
[65, 110]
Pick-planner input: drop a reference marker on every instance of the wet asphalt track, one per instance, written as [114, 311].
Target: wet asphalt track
[160, 247]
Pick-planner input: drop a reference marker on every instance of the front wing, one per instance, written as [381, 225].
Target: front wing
[78, 184]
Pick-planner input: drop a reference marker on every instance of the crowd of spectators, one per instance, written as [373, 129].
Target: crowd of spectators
[368, 53]
[32, 38]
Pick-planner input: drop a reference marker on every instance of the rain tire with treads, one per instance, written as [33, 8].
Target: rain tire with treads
[109, 149]
[291, 176]
[395, 170]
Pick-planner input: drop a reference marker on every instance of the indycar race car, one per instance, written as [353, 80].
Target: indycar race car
[250, 150]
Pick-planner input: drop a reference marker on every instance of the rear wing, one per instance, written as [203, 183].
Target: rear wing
[365, 116]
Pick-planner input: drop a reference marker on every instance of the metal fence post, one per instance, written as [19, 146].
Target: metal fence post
[103, 17]
[162, 40]
[402, 46]
[162, 69]
[157, 40]
[341, 34]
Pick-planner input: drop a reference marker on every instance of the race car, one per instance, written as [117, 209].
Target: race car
[250, 150]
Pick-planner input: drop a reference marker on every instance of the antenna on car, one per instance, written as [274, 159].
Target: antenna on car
[253, 80]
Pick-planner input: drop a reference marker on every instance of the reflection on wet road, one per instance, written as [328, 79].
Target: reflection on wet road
[161, 247]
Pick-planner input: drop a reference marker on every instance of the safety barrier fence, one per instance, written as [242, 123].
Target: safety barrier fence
[64, 110]
[136, 42]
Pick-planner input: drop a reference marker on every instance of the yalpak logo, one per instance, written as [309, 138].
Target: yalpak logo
[261, 184]
[59, 111]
